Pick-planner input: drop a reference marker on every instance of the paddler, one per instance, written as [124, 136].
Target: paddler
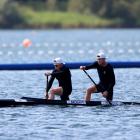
[63, 75]
[106, 77]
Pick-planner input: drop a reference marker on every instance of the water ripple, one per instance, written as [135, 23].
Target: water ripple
[69, 122]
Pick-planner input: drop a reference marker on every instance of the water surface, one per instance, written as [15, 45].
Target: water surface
[69, 122]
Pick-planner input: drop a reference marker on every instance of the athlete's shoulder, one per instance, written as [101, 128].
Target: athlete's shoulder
[95, 63]
[65, 68]
[109, 66]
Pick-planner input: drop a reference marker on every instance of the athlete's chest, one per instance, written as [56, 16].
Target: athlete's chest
[103, 71]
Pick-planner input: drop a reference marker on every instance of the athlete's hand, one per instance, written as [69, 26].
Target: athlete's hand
[48, 73]
[82, 67]
[105, 94]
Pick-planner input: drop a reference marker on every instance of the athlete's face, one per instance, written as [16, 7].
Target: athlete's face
[101, 61]
[58, 66]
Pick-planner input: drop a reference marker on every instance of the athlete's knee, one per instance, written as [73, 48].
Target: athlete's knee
[52, 91]
[90, 90]
[105, 94]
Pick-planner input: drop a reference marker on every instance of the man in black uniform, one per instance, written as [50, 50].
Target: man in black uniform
[106, 76]
[63, 75]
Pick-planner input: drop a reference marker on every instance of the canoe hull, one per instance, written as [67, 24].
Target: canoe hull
[28, 101]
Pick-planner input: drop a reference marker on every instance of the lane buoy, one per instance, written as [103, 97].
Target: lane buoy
[26, 43]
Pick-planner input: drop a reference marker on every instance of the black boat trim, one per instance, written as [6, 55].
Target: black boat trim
[28, 101]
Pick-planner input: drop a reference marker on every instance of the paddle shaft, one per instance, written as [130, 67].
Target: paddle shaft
[95, 84]
[47, 86]
[90, 77]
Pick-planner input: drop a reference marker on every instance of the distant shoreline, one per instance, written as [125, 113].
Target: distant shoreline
[70, 14]
[64, 20]
[96, 28]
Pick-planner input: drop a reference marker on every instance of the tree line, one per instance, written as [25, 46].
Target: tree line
[126, 11]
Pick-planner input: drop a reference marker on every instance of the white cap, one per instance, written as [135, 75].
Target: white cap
[58, 61]
[101, 55]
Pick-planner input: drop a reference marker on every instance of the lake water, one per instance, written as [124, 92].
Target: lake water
[61, 122]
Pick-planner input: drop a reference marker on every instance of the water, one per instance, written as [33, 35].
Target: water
[72, 45]
[61, 122]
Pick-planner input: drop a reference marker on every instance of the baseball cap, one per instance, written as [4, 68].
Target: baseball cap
[101, 55]
[58, 61]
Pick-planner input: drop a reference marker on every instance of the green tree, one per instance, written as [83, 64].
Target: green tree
[10, 15]
[80, 6]
[123, 10]
[62, 5]
[135, 11]
[51, 5]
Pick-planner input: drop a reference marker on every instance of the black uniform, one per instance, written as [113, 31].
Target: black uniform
[107, 78]
[64, 79]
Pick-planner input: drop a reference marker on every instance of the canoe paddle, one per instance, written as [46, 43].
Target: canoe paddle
[47, 83]
[90, 77]
[95, 84]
